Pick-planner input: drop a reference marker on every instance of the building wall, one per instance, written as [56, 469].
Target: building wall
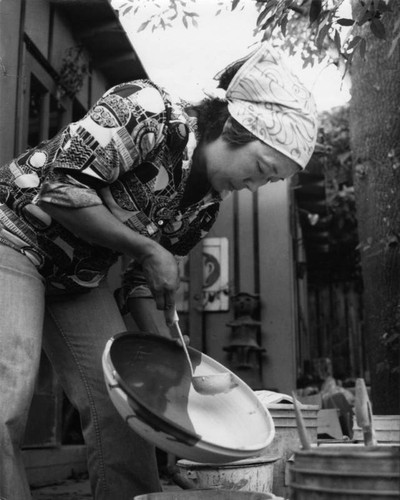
[52, 38]
[258, 228]
[37, 24]
[34, 39]
[10, 12]
[277, 285]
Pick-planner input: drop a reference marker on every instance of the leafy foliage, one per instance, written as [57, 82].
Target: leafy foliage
[312, 28]
[317, 28]
[164, 12]
[391, 343]
[334, 134]
[73, 71]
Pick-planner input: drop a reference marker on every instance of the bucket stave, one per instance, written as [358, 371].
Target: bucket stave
[335, 473]
[206, 495]
[255, 475]
[387, 429]
[286, 440]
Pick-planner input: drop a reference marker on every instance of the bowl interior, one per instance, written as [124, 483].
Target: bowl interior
[154, 372]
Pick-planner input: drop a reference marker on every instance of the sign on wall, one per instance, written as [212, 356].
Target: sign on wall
[215, 277]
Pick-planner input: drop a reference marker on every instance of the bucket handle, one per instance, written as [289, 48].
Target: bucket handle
[179, 479]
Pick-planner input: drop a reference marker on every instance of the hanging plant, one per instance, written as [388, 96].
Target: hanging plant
[340, 196]
[73, 71]
[391, 343]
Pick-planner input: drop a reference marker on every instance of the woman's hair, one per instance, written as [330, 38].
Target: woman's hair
[236, 134]
[213, 114]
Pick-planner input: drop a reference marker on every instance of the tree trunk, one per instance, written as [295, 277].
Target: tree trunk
[375, 141]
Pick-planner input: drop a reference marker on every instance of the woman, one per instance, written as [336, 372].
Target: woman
[142, 176]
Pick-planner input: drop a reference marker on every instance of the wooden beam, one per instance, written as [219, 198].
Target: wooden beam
[101, 29]
[128, 57]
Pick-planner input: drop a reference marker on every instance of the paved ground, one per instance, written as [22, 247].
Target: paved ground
[72, 489]
[77, 489]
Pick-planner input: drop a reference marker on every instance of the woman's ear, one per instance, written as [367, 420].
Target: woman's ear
[226, 125]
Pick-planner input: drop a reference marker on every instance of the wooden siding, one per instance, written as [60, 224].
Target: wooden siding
[277, 285]
[10, 13]
[37, 24]
[335, 327]
[258, 228]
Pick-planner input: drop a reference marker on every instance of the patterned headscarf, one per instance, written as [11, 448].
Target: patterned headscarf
[267, 99]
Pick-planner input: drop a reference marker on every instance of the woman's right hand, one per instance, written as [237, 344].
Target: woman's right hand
[162, 274]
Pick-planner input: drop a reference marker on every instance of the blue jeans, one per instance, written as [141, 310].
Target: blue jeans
[73, 330]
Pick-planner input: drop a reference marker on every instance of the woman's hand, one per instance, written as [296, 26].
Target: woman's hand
[162, 275]
[148, 318]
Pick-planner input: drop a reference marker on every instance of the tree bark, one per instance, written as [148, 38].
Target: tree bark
[375, 141]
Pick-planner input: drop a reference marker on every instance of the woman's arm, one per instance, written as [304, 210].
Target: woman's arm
[147, 317]
[98, 226]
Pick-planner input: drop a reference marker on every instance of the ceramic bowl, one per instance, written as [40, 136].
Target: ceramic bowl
[148, 380]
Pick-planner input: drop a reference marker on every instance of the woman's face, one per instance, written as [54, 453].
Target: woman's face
[232, 168]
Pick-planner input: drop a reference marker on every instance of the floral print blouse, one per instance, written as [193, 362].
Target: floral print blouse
[132, 152]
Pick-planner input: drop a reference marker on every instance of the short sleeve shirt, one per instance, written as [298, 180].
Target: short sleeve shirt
[133, 153]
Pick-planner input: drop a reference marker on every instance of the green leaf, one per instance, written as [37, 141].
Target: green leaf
[128, 9]
[345, 22]
[321, 35]
[337, 41]
[353, 43]
[284, 22]
[143, 26]
[394, 44]
[315, 10]
[364, 18]
[235, 4]
[264, 14]
[269, 21]
[349, 58]
[378, 29]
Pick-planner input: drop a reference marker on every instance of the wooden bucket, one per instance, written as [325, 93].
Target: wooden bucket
[387, 429]
[286, 440]
[206, 495]
[255, 475]
[351, 473]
